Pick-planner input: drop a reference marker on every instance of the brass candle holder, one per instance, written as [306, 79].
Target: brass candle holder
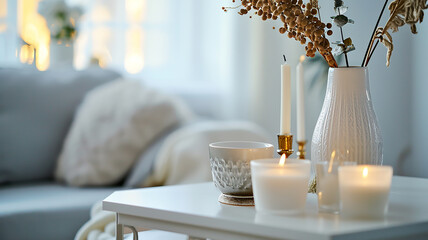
[285, 145]
[301, 151]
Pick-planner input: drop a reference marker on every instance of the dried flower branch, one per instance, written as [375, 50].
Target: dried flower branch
[401, 12]
[341, 20]
[299, 22]
[373, 34]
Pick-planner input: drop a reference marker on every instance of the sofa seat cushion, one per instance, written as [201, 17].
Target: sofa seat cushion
[45, 210]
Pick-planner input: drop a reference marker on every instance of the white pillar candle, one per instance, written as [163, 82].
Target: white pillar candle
[300, 86]
[364, 190]
[280, 189]
[285, 121]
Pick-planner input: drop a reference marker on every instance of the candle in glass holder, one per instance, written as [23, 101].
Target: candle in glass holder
[280, 188]
[328, 183]
[327, 187]
[364, 190]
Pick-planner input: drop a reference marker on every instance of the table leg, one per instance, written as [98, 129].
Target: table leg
[134, 232]
[119, 229]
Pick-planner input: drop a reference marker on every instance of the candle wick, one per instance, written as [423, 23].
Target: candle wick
[285, 59]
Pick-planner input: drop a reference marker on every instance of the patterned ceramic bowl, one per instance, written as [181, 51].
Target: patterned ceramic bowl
[230, 165]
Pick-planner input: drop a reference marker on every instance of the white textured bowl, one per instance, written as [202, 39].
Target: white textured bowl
[230, 165]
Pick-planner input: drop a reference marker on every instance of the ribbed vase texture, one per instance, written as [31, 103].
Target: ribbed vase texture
[347, 129]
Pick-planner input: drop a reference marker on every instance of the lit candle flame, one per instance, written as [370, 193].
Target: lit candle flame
[302, 58]
[282, 160]
[365, 172]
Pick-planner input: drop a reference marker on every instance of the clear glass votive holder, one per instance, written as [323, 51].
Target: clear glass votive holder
[280, 189]
[328, 185]
[364, 190]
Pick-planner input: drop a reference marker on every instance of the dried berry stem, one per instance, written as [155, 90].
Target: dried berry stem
[328, 56]
[366, 55]
[334, 64]
[298, 21]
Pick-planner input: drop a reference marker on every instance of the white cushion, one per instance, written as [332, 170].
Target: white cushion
[113, 125]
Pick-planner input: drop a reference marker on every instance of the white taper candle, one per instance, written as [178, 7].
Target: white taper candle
[285, 121]
[300, 86]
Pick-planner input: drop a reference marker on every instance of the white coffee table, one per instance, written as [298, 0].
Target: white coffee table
[194, 210]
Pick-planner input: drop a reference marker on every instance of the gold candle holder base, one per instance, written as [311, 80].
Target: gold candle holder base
[301, 152]
[285, 145]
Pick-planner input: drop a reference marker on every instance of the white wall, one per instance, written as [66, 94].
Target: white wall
[418, 164]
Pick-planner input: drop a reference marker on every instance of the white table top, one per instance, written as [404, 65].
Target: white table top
[197, 205]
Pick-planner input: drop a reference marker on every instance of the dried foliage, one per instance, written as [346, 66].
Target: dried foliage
[401, 12]
[343, 47]
[339, 7]
[341, 20]
[299, 21]
[302, 22]
[406, 11]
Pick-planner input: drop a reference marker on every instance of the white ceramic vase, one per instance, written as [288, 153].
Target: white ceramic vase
[347, 131]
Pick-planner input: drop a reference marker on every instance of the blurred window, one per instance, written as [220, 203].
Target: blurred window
[165, 42]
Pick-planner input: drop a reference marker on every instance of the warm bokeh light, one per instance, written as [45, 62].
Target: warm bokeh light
[3, 8]
[135, 10]
[100, 14]
[26, 54]
[365, 172]
[42, 57]
[34, 31]
[282, 160]
[134, 63]
[134, 59]
[302, 58]
[101, 38]
[3, 14]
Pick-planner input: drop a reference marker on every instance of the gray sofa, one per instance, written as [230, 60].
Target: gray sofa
[45, 209]
[36, 110]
